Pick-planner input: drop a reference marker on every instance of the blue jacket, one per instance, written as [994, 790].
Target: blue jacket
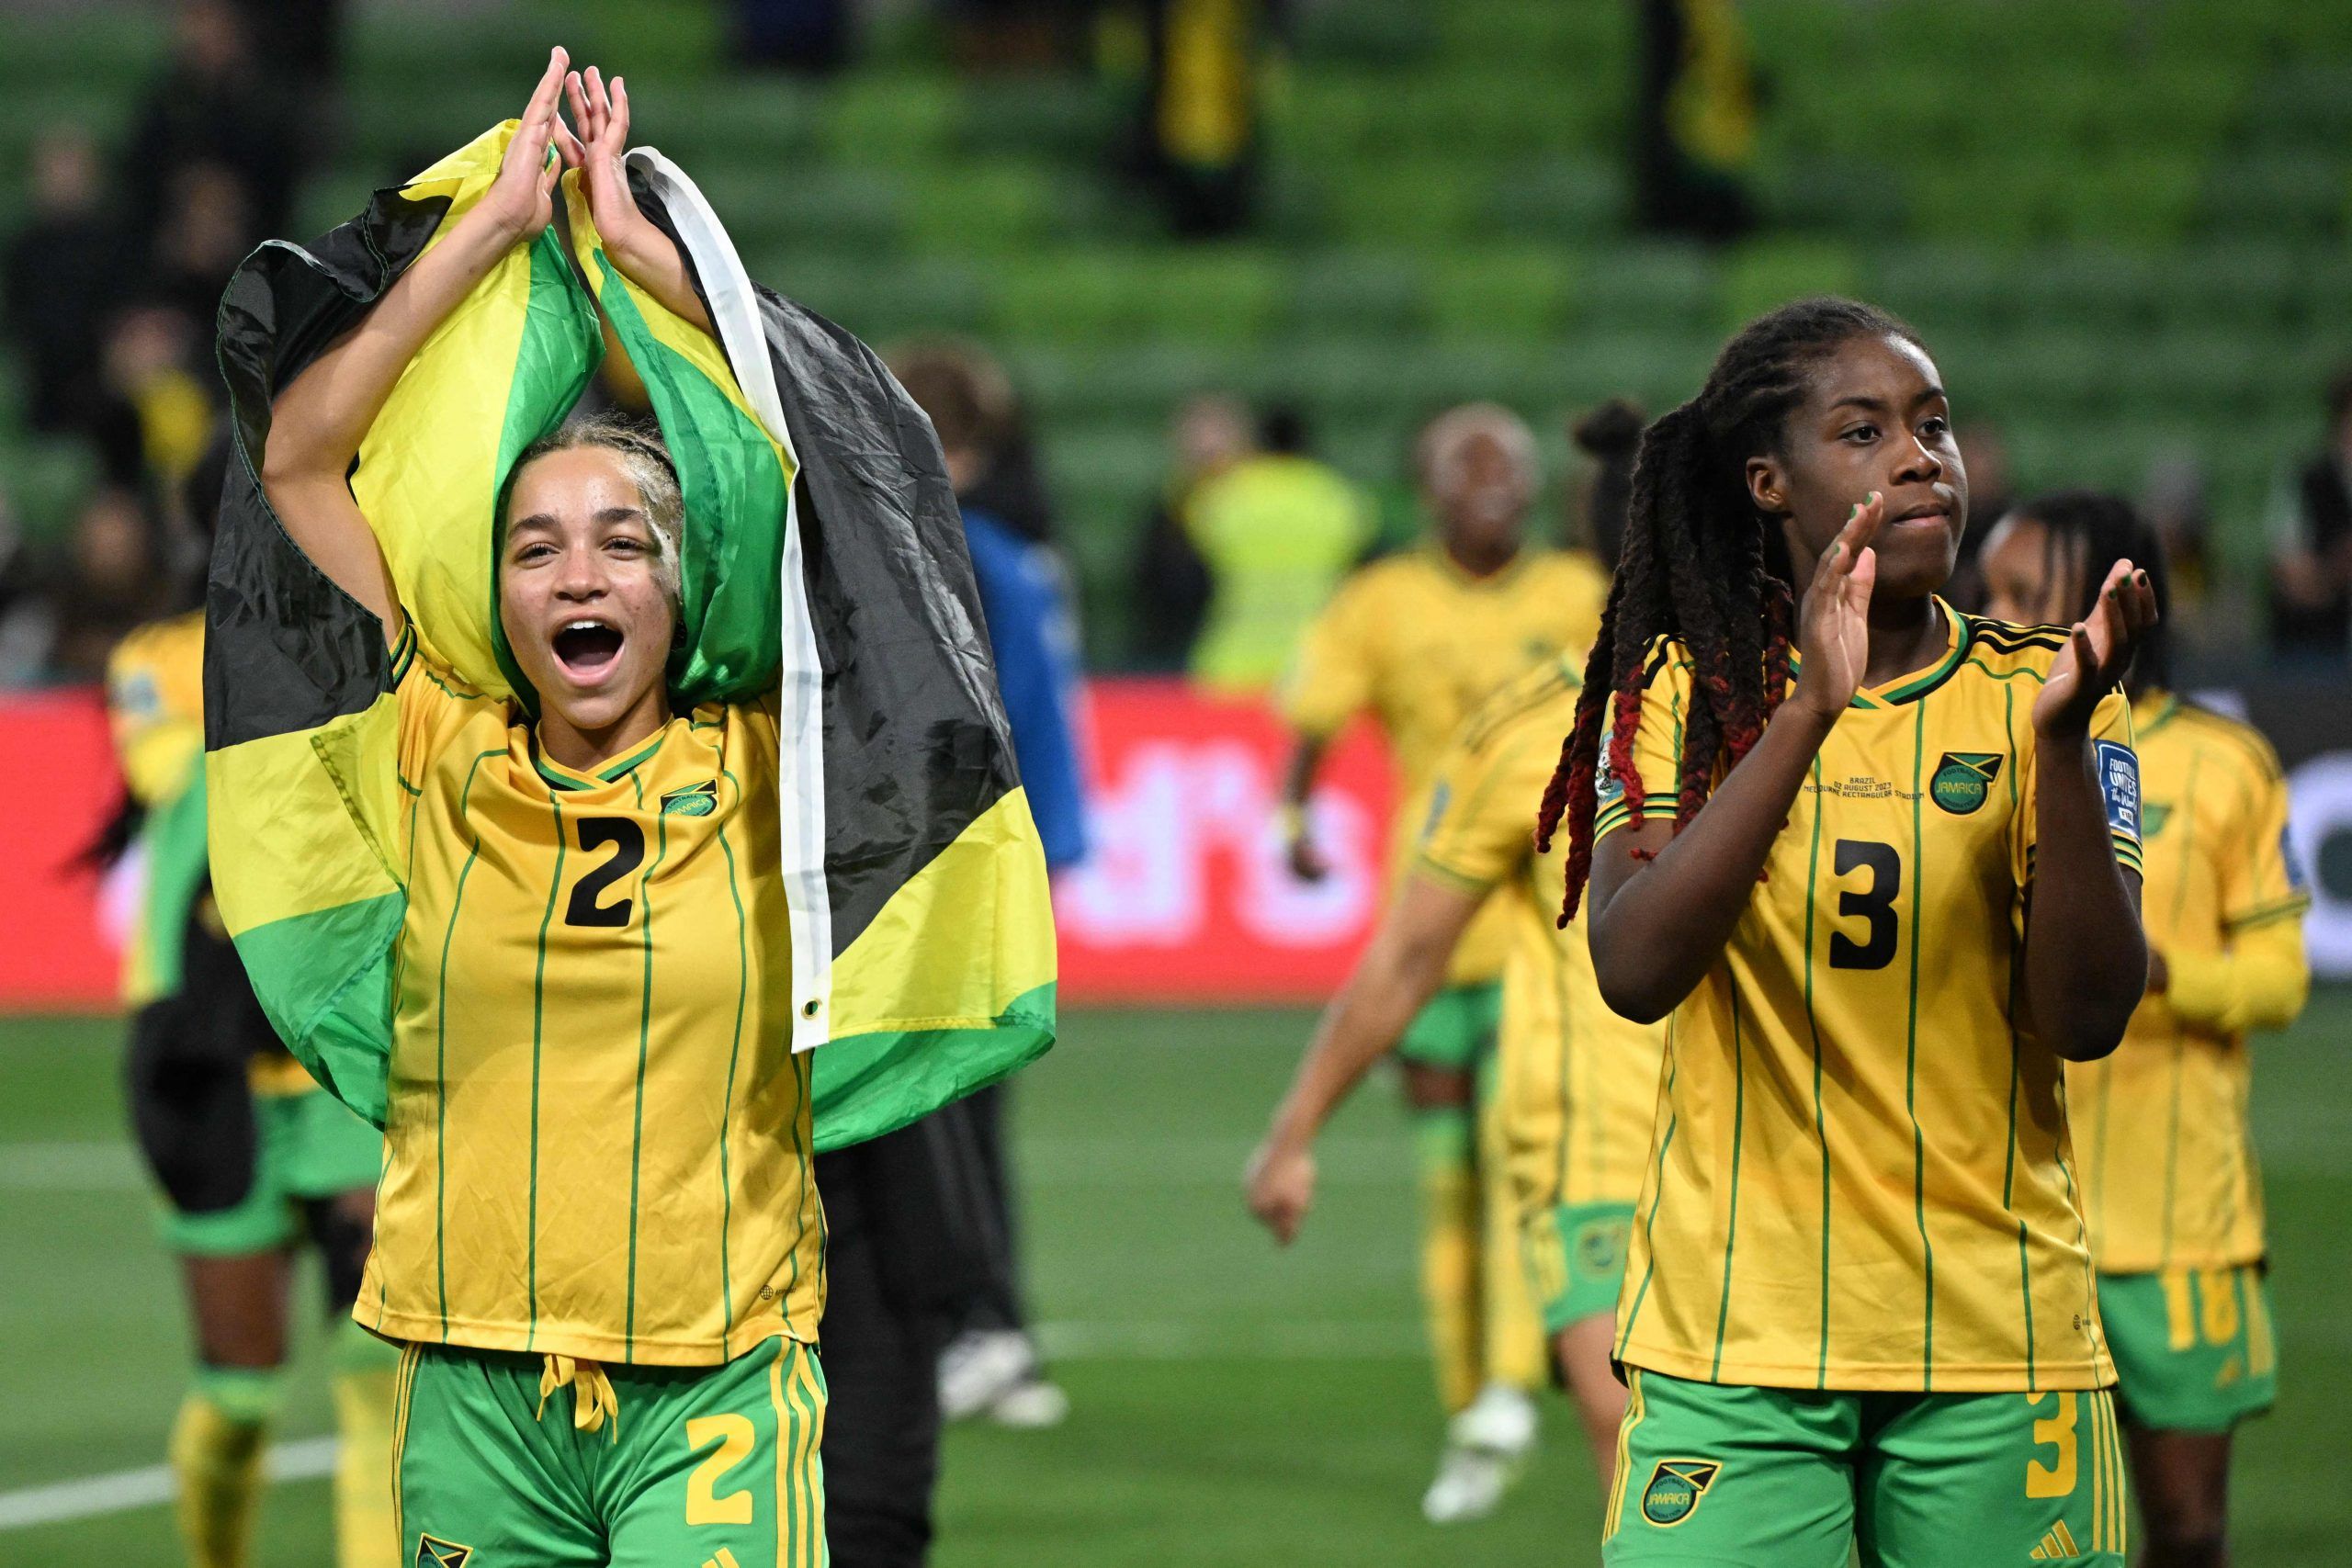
[1024, 597]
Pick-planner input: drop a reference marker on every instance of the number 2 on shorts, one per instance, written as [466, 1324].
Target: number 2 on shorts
[734, 1435]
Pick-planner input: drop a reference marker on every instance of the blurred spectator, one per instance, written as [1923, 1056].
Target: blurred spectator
[1609, 435]
[216, 104]
[2310, 542]
[116, 577]
[1168, 582]
[59, 270]
[155, 413]
[302, 40]
[2173, 499]
[1199, 130]
[205, 229]
[1019, 35]
[1277, 529]
[1694, 119]
[797, 35]
[27, 619]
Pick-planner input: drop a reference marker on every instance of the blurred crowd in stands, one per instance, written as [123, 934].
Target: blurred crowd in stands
[112, 274]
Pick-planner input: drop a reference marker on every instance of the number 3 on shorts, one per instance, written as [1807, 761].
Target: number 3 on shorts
[735, 1435]
[2056, 1480]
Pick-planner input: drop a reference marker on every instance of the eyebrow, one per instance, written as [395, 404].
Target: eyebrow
[621, 514]
[1879, 405]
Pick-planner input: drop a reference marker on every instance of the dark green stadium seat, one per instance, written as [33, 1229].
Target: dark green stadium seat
[1518, 293]
[1570, 199]
[1763, 274]
[991, 207]
[1350, 291]
[901, 118]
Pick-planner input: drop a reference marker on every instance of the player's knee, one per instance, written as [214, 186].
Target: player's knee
[1429, 1088]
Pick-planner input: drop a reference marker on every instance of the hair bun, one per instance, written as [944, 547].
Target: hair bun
[1613, 430]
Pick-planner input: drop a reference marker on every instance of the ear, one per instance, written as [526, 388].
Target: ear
[1768, 486]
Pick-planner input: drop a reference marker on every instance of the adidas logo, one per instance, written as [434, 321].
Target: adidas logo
[2056, 1547]
[725, 1559]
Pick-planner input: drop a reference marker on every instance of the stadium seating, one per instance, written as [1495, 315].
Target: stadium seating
[2128, 237]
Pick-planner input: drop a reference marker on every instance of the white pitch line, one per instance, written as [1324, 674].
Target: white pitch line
[124, 1490]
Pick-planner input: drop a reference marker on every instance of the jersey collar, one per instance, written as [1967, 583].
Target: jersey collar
[2152, 711]
[560, 777]
[1959, 631]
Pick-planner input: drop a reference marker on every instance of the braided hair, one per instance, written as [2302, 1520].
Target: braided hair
[1701, 565]
[2108, 529]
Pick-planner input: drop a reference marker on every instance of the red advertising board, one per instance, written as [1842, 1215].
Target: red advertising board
[55, 795]
[1185, 896]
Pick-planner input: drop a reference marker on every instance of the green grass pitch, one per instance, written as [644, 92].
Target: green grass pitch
[1231, 1404]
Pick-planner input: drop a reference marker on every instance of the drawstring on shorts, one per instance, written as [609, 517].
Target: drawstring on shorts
[592, 1399]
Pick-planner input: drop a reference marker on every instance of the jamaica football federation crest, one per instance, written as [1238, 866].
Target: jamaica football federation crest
[432, 1552]
[700, 800]
[1675, 1486]
[1962, 780]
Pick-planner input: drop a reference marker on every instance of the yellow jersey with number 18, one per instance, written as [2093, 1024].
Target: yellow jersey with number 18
[1418, 643]
[1861, 1176]
[597, 1138]
[2168, 1168]
[1578, 1083]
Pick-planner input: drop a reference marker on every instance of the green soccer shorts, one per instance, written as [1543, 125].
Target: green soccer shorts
[1456, 1030]
[1711, 1476]
[2193, 1347]
[1575, 1259]
[308, 1146]
[709, 1466]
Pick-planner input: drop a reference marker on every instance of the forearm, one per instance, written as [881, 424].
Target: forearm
[1656, 929]
[1299, 780]
[1397, 974]
[649, 258]
[2261, 982]
[2086, 959]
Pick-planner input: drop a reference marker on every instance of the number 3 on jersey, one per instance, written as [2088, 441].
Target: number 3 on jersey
[1872, 904]
[628, 842]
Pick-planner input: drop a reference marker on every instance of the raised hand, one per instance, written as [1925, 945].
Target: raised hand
[603, 116]
[2098, 654]
[1833, 623]
[521, 199]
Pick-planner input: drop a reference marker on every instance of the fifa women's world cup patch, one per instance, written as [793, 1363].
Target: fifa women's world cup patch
[1676, 1488]
[1963, 779]
[2119, 782]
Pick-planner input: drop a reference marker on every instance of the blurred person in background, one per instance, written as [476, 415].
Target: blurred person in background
[112, 581]
[1608, 435]
[2170, 1185]
[1694, 119]
[1568, 1116]
[253, 1162]
[1198, 131]
[812, 36]
[1990, 494]
[27, 618]
[60, 271]
[2199, 600]
[154, 411]
[1277, 530]
[1169, 585]
[1418, 640]
[2310, 543]
[218, 103]
[205, 229]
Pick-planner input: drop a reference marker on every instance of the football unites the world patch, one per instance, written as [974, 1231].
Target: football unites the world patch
[2119, 782]
[1675, 1489]
[1963, 779]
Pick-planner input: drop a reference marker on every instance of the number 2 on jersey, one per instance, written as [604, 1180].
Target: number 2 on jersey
[629, 852]
[1873, 905]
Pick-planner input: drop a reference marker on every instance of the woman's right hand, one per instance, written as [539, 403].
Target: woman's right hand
[521, 199]
[1833, 623]
[1280, 1187]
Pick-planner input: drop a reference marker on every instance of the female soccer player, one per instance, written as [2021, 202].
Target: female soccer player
[2170, 1185]
[597, 1140]
[1418, 640]
[1896, 887]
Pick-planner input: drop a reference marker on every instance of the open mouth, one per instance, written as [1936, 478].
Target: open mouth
[588, 649]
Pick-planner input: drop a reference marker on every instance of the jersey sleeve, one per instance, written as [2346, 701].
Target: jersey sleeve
[433, 706]
[1482, 815]
[2261, 882]
[1330, 677]
[159, 749]
[2116, 768]
[1657, 744]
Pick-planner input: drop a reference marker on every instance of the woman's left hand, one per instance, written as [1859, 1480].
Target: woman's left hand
[2097, 655]
[521, 199]
[603, 116]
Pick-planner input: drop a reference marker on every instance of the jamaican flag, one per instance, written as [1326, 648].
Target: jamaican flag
[823, 559]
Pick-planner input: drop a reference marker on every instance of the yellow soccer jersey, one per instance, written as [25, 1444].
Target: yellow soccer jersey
[1418, 643]
[156, 707]
[1579, 1084]
[1861, 1175]
[597, 1139]
[2167, 1162]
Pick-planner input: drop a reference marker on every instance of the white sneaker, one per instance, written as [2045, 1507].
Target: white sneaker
[981, 1368]
[1033, 1405]
[1486, 1446]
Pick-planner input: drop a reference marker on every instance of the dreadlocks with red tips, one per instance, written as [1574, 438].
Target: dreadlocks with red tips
[1702, 566]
